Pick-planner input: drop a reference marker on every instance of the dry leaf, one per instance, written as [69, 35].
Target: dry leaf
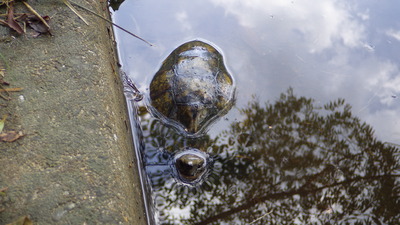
[2, 69]
[10, 20]
[10, 136]
[22, 221]
[2, 121]
[36, 24]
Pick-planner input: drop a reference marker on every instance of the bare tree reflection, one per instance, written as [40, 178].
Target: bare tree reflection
[115, 4]
[287, 162]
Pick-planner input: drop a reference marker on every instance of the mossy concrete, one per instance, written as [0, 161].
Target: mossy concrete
[75, 164]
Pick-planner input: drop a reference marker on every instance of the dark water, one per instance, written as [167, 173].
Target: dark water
[314, 134]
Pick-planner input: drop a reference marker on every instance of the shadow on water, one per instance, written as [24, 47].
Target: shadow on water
[287, 162]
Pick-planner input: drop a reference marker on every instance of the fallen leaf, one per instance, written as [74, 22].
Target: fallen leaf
[36, 14]
[2, 121]
[10, 136]
[36, 24]
[22, 221]
[10, 19]
[2, 69]
[3, 190]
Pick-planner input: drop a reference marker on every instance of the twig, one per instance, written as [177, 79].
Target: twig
[36, 14]
[391, 143]
[74, 10]
[5, 97]
[111, 23]
[259, 218]
[10, 89]
[15, 14]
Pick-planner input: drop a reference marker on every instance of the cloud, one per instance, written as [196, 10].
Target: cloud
[384, 82]
[394, 34]
[321, 23]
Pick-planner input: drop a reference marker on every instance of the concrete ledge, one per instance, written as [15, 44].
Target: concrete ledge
[75, 165]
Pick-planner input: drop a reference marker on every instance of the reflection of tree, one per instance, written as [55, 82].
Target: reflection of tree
[293, 162]
[115, 4]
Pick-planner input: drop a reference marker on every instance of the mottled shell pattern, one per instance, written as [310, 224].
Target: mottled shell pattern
[192, 88]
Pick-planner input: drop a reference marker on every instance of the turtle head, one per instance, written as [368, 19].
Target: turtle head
[192, 116]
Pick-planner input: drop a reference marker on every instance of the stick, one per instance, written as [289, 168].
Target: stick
[74, 10]
[10, 89]
[37, 14]
[112, 23]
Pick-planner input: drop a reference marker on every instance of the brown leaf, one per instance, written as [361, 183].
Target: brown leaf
[10, 136]
[2, 69]
[22, 221]
[10, 19]
[35, 23]
[2, 190]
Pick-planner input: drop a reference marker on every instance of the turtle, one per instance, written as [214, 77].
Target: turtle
[192, 88]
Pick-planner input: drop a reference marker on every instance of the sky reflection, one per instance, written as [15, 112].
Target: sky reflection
[323, 49]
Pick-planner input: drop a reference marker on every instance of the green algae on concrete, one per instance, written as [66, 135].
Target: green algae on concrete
[75, 164]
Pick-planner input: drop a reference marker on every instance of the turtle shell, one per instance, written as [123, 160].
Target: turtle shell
[192, 88]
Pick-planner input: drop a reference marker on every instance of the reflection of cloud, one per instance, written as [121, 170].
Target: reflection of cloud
[325, 49]
[343, 59]
[321, 23]
[182, 18]
[385, 83]
[387, 122]
[394, 34]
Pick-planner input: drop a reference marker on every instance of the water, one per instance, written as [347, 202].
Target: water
[314, 134]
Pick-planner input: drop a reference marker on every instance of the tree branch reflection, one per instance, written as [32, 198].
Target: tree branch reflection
[302, 162]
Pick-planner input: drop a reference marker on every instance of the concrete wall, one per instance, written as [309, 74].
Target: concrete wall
[75, 163]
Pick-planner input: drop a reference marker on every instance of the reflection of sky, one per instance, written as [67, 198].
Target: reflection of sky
[324, 49]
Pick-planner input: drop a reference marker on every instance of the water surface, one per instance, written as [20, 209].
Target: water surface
[314, 132]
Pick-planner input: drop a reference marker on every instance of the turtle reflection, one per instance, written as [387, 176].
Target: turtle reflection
[188, 167]
[191, 165]
[288, 162]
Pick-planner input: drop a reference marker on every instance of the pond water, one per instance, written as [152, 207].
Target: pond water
[314, 134]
